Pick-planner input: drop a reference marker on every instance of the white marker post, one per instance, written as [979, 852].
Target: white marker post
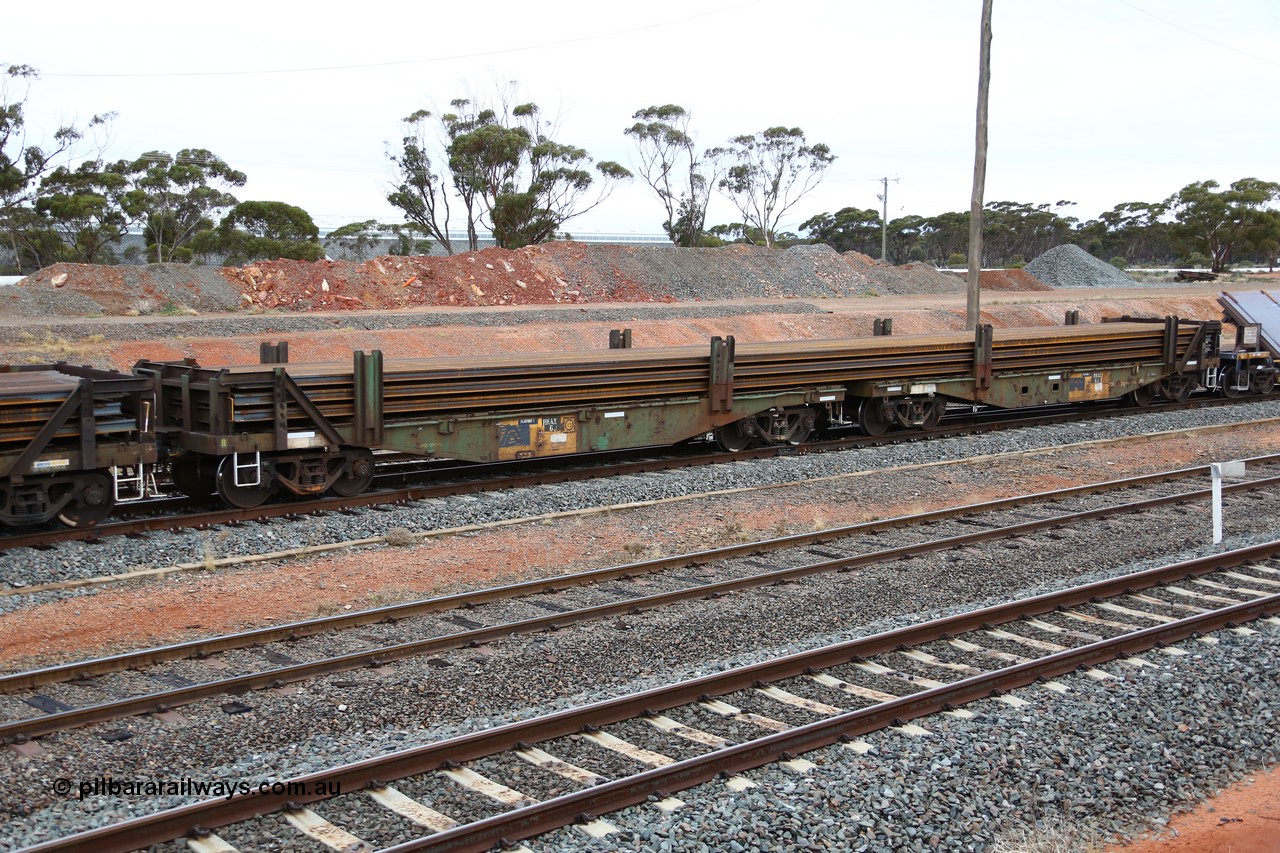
[1215, 469]
[1218, 470]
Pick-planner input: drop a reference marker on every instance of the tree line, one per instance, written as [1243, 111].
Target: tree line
[497, 166]
[1201, 225]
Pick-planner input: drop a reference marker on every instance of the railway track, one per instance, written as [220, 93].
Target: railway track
[647, 746]
[400, 536]
[790, 561]
[181, 513]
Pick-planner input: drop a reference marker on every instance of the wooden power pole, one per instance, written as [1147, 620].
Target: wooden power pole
[973, 309]
[884, 219]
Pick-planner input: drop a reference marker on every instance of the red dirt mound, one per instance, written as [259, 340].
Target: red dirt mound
[491, 277]
[1010, 280]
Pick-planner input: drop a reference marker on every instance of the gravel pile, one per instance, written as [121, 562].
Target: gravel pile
[556, 272]
[64, 290]
[28, 302]
[1070, 266]
[887, 279]
[730, 272]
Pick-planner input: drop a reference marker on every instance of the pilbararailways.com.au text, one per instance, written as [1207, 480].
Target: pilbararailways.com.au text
[188, 787]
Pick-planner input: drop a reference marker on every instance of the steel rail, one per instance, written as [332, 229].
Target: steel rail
[176, 697]
[571, 808]
[174, 823]
[296, 630]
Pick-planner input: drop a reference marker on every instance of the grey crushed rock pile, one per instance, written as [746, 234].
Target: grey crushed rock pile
[1070, 266]
[601, 272]
[126, 290]
[731, 272]
[903, 280]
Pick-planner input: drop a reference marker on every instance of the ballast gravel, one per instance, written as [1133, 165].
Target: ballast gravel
[1110, 756]
[1099, 759]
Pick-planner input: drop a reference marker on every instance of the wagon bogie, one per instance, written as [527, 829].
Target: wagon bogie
[74, 441]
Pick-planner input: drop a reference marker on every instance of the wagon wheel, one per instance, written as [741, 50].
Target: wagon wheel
[1176, 388]
[241, 497]
[1262, 383]
[93, 503]
[800, 425]
[871, 416]
[933, 417]
[194, 475]
[737, 436]
[1229, 382]
[357, 477]
[1143, 395]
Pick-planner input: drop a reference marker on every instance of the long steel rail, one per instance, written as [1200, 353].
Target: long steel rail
[165, 700]
[518, 477]
[393, 612]
[534, 819]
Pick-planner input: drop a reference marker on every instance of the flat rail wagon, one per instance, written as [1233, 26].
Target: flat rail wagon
[247, 431]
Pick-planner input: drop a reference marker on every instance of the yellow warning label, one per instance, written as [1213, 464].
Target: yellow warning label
[1092, 385]
[527, 438]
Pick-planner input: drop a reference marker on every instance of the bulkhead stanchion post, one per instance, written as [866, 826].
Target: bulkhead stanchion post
[722, 373]
[367, 390]
[982, 355]
[280, 400]
[1171, 344]
[88, 427]
[273, 353]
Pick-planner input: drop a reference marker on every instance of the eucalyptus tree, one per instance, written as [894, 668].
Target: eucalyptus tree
[505, 166]
[849, 229]
[25, 164]
[670, 164]
[1217, 222]
[263, 230]
[184, 195]
[528, 182]
[422, 189]
[769, 172]
[90, 208]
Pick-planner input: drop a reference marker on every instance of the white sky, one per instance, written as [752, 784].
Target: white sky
[1095, 101]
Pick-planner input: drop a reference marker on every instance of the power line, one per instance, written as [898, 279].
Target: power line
[1199, 35]
[404, 62]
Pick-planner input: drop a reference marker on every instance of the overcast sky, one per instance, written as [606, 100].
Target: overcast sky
[1098, 102]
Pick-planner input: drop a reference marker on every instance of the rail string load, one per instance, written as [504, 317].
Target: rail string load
[74, 442]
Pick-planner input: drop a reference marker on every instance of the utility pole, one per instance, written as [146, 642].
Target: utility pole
[884, 219]
[973, 309]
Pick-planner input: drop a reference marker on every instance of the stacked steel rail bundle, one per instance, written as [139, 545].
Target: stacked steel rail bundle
[247, 431]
